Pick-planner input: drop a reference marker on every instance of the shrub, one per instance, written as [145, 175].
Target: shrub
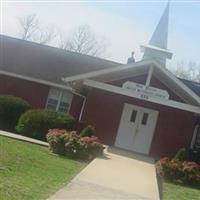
[88, 131]
[11, 109]
[191, 171]
[181, 155]
[56, 139]
[36, 123]
[72, 145]
[91, 147]
[179, 172]
[80, 126]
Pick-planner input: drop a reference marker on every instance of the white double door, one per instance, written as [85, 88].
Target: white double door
[136, 128]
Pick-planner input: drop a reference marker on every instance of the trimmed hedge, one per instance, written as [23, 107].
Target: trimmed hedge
[11, 108]
[70, 144]
[36, 123]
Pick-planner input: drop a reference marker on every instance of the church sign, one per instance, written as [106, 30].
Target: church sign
[146, 92]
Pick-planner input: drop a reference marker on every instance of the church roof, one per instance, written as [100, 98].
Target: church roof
[43, 62]
[194, 86]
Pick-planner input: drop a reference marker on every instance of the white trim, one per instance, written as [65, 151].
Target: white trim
[107, 71]
[149, 76]
[82, 108]
[170, 88]
[83, 104]
[178, 82]
[59, 98]
[148, 46]
[118, 90]
[35, 80]
[194, 136]
[135, 66]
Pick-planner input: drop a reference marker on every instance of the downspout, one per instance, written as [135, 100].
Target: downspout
[84, 101]
[83, 104]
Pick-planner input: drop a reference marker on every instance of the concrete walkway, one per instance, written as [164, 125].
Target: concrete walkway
[23, 138]
[120, 175]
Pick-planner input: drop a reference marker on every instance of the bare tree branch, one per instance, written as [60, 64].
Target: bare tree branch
[188, 70]
[47, 35]
[31, 30]
[83, 40]
[29, 26]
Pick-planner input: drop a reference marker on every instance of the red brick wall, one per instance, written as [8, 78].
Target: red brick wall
[174, 127]
[76, 106]
[174, 130]
[35, 93]
[138, 79]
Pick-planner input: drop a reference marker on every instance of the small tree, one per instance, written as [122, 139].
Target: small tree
[29, 26]
[31, 30]
[188, 70]
[83, 40]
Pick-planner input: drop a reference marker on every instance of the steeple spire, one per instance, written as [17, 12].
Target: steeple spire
[157, 47]
[160, 35]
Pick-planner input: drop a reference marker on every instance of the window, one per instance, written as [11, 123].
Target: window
[196, 143]
[53, 99]
[133, 116]
[145, 118]
[58, 100]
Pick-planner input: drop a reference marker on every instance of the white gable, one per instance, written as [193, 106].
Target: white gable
[138, 68]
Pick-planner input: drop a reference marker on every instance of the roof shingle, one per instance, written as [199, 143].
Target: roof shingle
[194, 86]
[45, 62]
[51, 64]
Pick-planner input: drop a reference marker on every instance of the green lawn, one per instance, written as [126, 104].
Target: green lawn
[177, 192]
[29, 171]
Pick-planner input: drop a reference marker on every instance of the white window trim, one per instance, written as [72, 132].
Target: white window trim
[194, 135]
[149, 76]
[59, 99]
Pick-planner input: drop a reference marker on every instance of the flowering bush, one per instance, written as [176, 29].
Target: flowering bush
[57, 139]
[91, 147]
[69, 143]
[191, 171]
[179, 172]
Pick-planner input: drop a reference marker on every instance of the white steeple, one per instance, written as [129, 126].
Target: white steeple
[157, 47]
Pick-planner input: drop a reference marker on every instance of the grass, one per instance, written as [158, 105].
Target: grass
[177, 192]
[29, 171]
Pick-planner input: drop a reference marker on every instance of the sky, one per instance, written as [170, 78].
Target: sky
[125, 25]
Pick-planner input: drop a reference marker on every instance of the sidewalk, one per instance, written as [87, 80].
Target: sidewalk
[23, 138]
[120, 175]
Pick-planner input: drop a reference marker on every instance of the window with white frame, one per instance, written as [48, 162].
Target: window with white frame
[196, 138]
[58, 100]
